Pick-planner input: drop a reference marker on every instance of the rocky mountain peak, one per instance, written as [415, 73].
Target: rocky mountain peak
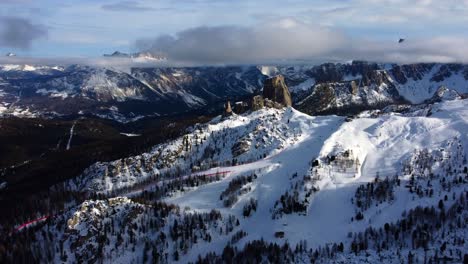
[275, 89]
[117, 54]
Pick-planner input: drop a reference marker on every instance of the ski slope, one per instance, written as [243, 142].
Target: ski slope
[382, 144]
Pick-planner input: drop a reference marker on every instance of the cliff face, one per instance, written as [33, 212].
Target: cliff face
[275, 89]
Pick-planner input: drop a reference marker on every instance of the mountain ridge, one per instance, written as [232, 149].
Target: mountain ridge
[335, 88]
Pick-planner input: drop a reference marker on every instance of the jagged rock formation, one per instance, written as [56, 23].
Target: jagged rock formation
[275, 89]
[257, 103]
[322, 97]
[275, 95]
[227, 109]
[356, 86]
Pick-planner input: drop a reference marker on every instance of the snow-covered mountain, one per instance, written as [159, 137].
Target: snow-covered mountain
[111, 93]
[387, 185]
[327, 88]
[224, 141]
[345, 88]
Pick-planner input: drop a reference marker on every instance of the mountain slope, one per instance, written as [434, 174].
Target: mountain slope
[224, 141]
[324, 184]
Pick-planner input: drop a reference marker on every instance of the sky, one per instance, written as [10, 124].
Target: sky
[238, 31]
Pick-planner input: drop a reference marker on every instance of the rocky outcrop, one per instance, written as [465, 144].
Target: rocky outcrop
[320, 100]
[275, 89]
[227, 109]
[240, 148]
[257, 103]
[354, 88]
[275, 95]
[442, 94]
[416, 72]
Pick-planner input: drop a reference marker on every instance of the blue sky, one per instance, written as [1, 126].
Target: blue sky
[89, 28]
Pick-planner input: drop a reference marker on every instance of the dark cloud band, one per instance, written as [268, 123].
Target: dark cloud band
[284, 39]
[292, 40]
[18, 32]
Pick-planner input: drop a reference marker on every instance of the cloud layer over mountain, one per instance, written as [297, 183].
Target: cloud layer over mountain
[275, 41]
[289, 39]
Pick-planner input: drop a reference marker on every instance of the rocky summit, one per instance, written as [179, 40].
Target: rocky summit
[275, 89]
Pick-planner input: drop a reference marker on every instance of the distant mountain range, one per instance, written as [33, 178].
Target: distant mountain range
[27, 90]
[137, 55]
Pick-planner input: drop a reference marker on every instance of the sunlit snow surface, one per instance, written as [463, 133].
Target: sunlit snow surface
[382, 144]
[382, 141]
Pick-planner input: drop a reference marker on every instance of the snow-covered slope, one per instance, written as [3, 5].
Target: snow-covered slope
[122, 231]
[235, 139]
[386, 146]
[341, 190]
[94, 83]
[350, 88]
[417, 83]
